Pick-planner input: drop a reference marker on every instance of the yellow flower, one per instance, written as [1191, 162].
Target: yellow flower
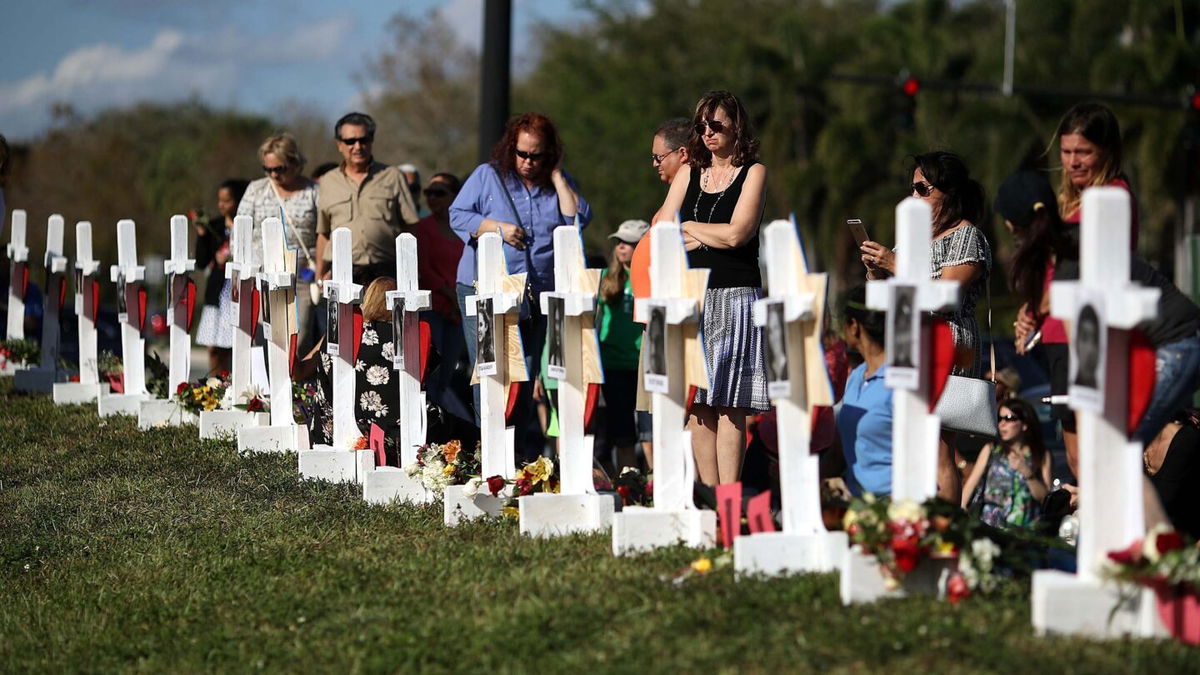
[944, 547]
[511, 512]
[449, 470]
[540, 470]
[702, 566]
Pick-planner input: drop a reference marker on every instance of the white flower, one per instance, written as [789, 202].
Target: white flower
[985, 550]
[388, 351]
[412, 469]
[369, 336]
[906, 510]
[213, 382]
[378, 375]
[433, 476]
[360, 365]
[250, 393]
[471, 488]
[370, 401]
[1150, 543]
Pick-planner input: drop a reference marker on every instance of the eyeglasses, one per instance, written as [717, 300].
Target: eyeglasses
[716, 125]
[436, 192]
[921, 188]
[658, 159]
[281, 169]
[531, 156]
[361, 140]
[1009, 418]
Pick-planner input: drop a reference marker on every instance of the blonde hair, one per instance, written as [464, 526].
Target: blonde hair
[284, 147]
[1096, 123]
[374, 304]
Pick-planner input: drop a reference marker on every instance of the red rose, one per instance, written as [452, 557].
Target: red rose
[1127, 556]
[907, 552]
[254, 405]
[524, 486]
[495, 485]
[181, 388]
[1166, 542]
[624, 492]
[957, 589]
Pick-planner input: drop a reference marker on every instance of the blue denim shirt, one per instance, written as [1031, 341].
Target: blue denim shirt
[864, 423]
[482, 196]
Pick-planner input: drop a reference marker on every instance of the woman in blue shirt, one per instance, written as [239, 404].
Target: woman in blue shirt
[864, 420]
[522, 194]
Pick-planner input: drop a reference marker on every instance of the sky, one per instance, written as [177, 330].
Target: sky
[244, 54]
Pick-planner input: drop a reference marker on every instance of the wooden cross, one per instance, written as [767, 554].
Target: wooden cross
[498, 298]
[176, 268]
[405, 304]
[86, 291]
[55, 264]
[240, 271]
[278, 275]
[18, 256]
[128, 277]
[915, 432]
[342, 290]
[574, 296]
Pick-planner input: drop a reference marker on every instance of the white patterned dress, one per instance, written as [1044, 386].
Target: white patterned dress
[966, 244]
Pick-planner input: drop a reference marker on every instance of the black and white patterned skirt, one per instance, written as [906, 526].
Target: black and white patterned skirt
[733, 350]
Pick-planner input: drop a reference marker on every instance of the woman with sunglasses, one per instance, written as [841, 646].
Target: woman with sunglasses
[959, 250]
[1011, 478]
[286, 193]
[720, 201]
[522, 194]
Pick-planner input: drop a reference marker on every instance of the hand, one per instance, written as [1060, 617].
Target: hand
[1023, 327]
[689, 242]
[878, 257]
[539, 390]
[513, 235]
[1074, 494]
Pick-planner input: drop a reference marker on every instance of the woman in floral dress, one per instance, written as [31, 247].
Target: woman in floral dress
[1011, 479]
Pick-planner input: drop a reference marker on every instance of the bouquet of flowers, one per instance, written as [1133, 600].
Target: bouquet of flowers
[251, 400]
[304, 402]
[203, 394]
[635, 487]
[439, 466]
[1165, 559]
[902, 534]
[19, 352]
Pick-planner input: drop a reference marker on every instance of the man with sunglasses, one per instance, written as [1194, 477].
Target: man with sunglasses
[369, 197]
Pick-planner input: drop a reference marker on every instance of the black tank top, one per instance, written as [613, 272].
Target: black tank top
[731, 267]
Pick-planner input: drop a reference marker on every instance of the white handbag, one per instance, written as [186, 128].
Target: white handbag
[968, 404]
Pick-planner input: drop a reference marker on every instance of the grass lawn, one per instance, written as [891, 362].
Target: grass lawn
[155, 551]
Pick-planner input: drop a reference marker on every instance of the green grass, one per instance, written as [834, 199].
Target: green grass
[124, 550]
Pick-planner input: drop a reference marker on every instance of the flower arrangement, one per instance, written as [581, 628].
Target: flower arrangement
[109, 364]
[251, 400]
[1164, 559]
[203, 394]
[304, 402]
[635, 487]
[902, 534]
[439, 466]
[19, 352]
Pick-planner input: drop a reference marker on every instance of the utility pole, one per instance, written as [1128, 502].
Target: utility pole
[1010, 45]
[494, 74]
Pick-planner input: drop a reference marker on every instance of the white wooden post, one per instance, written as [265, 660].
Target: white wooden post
[339, 461]
[278, 274]
[162, 412]
[18, 258]
[504, 292]
[384, 484]
[577, 507]
[41, 379]
[88, 388]
[915, 431]
[240, 270]
[673, 518]
[128, 277]
[1110, 464]
[803, 545]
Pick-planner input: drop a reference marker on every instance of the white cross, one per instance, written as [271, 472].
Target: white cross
[1110, 465]
[801, 297]
[278, 276]
[575, 288]
[674, 466]
[347, 293]
[240, 270]
[18, 256]
[405, 303]
[86, 268]
[915, 432]
[128, 276]
[55, 264]
[176, 268]
[495, 284]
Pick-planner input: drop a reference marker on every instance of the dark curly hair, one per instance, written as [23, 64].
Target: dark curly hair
[745, 145]
[964, 198]
[504, 152]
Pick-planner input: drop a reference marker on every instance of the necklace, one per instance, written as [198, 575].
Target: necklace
[703, 190]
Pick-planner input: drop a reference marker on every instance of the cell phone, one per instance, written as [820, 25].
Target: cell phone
[857, 230]
[1033, 340]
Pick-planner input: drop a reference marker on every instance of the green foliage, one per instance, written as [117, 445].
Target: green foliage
[155, 551]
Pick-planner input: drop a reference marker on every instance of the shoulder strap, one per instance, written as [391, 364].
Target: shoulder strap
[288, 221]
[987, 285]
[511, 203]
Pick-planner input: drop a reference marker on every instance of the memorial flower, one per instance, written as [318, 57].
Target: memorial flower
[201, 395]
[251, 400]
[439, 466]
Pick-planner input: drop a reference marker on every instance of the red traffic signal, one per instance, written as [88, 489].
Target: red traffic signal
[1195, 100]
[912, 85]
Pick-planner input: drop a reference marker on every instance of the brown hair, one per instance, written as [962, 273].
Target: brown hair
[612, 284]
[1098, 124]
[745, 145]
[504, 152]
[374, 304]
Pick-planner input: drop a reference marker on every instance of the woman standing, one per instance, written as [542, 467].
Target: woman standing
[212, 252]
[721, 199]
[522, 194]
[285, 193]
[959, 250]
[620, 343]
[1011, 478]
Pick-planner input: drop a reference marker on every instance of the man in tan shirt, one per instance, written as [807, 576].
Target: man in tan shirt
[370, 198]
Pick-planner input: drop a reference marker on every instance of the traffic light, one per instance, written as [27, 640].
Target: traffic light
[906, 114]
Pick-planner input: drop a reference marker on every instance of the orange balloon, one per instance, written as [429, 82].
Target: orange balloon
[639, 269]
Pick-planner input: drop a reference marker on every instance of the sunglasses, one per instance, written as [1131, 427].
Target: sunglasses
[716, 126]
[281, 169]
[1009, 418]
[921, 188]
[531, 156]
[361, 140]
[436, 192]
[658, 159]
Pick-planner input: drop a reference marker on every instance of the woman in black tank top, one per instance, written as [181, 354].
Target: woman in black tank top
[720, 203]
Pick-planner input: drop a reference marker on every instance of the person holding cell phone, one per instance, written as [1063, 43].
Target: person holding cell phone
[721, 199]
